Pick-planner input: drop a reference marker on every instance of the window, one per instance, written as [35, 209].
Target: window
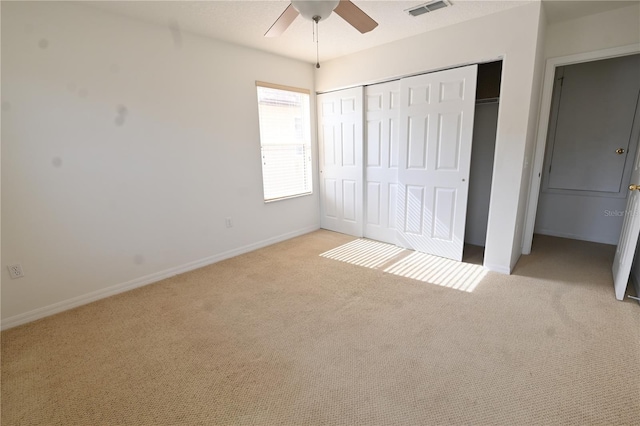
[285, 139]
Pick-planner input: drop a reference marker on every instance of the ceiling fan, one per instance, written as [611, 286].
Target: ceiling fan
[317, 10]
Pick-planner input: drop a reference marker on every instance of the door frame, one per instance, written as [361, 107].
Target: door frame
[543, 126]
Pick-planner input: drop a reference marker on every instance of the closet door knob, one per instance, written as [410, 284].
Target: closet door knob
[634, 187]
[620, 151]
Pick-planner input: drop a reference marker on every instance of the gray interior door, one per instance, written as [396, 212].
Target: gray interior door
[591, 140]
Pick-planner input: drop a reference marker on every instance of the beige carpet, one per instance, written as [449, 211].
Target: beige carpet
[283, 336]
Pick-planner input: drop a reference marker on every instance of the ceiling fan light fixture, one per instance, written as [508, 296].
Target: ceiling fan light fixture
[315, 10]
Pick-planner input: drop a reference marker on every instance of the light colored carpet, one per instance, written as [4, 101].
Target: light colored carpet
[284, 336]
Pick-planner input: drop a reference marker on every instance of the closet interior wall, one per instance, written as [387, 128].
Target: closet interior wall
[482, 152]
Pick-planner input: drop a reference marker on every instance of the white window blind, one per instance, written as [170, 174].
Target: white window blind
[285, 139]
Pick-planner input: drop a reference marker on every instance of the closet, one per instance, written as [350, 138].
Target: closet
[404, 162]
[485, 126]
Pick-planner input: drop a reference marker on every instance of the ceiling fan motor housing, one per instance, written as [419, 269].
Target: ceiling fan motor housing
[315, 10]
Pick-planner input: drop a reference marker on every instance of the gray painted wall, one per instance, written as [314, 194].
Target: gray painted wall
[597, 219]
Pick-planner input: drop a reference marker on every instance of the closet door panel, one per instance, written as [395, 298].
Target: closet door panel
[382, 150]
[340, 142]
[436, 128]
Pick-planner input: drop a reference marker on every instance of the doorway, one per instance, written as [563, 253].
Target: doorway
[627, 243]
[590, 150]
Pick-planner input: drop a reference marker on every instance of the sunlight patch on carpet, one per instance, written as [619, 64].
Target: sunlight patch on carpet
[440, 271]
[417, 266]
[363, 252]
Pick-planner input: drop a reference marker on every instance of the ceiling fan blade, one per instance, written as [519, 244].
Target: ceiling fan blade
[282, 23]
[355, 16]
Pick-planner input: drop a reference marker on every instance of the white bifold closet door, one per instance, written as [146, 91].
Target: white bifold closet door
[340, 141]
[382, 113]
[436, 128]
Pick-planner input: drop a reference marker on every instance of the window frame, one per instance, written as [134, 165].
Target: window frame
[262, 84]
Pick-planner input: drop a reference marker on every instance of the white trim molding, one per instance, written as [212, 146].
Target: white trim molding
[74, 302]
[543, 125]
[497, 268]
[554, 233]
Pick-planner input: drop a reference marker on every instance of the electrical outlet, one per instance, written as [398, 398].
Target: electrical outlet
[15, 271]
[228, 222]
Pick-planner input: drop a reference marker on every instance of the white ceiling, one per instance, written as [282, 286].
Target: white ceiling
[244, 22]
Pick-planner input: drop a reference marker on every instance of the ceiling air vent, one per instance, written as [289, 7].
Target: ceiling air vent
[428, 7]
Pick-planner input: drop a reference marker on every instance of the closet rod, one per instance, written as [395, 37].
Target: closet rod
[487, 101]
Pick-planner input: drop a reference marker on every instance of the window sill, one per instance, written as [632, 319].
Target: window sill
[273, 200]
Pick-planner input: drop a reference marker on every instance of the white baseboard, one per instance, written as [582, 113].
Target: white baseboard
[74, 302]
[498, 268]
[553, 233]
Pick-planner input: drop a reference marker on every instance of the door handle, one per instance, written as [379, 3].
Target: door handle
[620, 151]
[634, 187]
